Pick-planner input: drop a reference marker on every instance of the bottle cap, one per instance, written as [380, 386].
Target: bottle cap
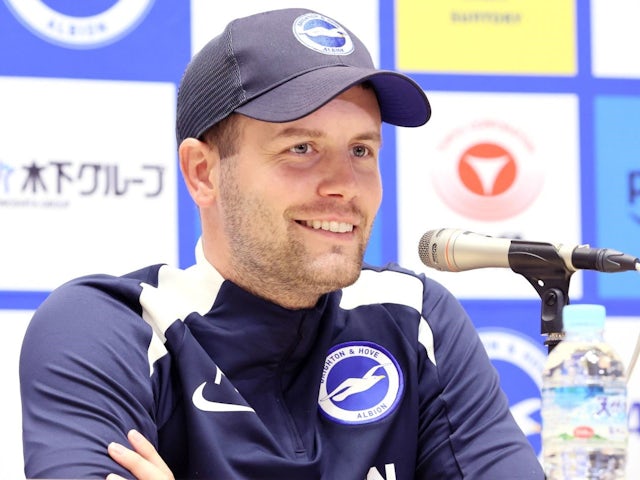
[583, 317]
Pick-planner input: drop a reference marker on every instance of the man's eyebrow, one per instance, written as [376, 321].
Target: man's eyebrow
[313, 133]
[375, 136]
[299, 132]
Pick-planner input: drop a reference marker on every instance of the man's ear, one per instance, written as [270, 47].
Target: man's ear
[199, 166]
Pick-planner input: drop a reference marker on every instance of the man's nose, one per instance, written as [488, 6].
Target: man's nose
[339, 178]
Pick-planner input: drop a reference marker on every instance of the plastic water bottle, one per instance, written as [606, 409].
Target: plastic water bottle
[584, 402]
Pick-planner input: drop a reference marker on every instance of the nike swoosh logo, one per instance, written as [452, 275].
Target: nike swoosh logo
[205, 405]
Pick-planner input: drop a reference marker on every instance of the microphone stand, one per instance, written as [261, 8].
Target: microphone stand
[546, 271]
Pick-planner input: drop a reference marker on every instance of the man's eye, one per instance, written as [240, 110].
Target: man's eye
[360, 151]
[301, 148]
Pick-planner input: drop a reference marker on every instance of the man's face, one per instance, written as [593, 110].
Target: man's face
[298, 200]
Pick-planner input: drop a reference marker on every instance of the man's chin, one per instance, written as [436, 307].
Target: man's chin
[335, 271]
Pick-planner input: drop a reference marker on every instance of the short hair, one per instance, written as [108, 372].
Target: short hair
[224, 136]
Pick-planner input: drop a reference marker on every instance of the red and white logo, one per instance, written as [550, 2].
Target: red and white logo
[487, 171]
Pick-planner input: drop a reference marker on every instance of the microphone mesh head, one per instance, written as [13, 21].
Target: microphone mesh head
[424, 249]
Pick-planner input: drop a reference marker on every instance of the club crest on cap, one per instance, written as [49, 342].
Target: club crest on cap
[322, 34]
[361, 383]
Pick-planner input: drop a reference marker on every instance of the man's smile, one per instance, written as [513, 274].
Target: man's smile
[330, 226]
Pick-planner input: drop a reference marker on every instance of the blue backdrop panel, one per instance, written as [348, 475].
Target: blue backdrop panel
[617, 194]
[152, 46]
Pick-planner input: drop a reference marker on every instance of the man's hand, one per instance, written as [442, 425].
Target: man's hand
[143, 462]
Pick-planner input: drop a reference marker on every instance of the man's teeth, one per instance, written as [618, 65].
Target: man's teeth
[338, 227]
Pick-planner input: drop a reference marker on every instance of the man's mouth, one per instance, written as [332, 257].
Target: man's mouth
[329, 226]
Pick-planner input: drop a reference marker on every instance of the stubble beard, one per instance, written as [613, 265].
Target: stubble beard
[274, 264]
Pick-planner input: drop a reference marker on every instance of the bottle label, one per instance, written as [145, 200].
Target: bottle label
[592, 414]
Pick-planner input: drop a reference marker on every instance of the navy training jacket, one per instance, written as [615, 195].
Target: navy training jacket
[384, 380]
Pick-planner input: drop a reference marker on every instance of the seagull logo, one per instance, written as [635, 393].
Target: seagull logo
[325, 32]
[351, 386]
[329, 37]
[361, 383]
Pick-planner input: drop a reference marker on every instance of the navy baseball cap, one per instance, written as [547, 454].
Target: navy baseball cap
[282, 65]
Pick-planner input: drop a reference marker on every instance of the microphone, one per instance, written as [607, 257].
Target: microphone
[455, 250]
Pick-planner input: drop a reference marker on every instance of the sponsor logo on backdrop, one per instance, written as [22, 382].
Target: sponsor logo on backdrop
[519, 361]
[523, 37]
[361, 383]
[6, 171]
[80, 24]
[633, 182]
[485, 17]
[487, 171]
[55, 183]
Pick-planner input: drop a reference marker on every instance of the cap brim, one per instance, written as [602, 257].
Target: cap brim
[402, 101]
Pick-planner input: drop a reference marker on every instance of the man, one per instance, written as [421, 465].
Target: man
[278, 355]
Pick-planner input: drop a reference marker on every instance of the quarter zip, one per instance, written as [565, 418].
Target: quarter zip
[299, 449]
[273, 356]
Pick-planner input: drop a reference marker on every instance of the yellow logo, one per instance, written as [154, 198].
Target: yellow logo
[484, 36]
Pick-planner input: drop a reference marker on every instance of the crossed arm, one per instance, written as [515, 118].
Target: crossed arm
[143, 461]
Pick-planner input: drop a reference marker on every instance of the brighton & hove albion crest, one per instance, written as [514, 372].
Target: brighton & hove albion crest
[80, 24]
[519, 362]
[322, 34]
[361, 383]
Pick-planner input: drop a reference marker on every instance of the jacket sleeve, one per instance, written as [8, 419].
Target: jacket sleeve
[84, 381]
[466, 429]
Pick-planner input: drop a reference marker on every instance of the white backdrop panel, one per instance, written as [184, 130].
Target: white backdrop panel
[63, 162]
